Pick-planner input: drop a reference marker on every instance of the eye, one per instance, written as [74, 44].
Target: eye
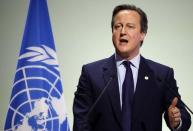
[117, 26]
[131, 26]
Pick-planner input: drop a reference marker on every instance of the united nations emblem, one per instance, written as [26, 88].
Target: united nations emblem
[37, 101]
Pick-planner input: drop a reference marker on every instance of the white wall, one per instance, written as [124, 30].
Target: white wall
[82, 34]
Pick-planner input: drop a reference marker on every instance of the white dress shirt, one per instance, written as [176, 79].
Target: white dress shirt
[121, 70]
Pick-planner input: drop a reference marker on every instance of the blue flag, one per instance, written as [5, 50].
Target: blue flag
[37, 100]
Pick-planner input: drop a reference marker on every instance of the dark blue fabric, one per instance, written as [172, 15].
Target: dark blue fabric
[127, 97]
[150, 100]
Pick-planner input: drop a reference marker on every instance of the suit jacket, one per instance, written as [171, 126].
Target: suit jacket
[151, 99]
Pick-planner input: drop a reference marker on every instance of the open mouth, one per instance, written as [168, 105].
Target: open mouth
[123, 40]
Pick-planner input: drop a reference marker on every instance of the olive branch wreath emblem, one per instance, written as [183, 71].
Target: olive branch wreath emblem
[42, 54]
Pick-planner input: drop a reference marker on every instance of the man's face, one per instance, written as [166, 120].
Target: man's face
[126, 34]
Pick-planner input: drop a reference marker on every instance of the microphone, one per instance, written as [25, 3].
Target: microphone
[97, 100]
[99, 97]
[174, 93]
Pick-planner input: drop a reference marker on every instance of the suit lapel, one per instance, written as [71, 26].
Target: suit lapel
[145, 81]
[145, 76]
[110, 70]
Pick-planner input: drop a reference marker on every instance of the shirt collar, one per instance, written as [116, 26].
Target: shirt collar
[135, 61]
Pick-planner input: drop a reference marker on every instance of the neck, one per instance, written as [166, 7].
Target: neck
[128, 56]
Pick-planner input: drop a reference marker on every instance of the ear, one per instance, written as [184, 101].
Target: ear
[142, 37]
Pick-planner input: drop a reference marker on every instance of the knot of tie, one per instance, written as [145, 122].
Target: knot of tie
[127, 63]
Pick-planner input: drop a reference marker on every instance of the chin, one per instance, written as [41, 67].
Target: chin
[123, 54]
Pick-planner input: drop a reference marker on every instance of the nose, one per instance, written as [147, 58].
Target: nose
[123, 31]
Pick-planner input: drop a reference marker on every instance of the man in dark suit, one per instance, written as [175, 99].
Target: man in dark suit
[149, 91]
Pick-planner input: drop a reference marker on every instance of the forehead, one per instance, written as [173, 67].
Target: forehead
[127, 16]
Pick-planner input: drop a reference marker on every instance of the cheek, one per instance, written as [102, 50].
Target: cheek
[115, 38]
[136, 37]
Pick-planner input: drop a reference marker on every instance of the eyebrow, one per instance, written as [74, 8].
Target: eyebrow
[126, 23]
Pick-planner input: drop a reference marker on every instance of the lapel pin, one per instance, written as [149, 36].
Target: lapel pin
[146, 78]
